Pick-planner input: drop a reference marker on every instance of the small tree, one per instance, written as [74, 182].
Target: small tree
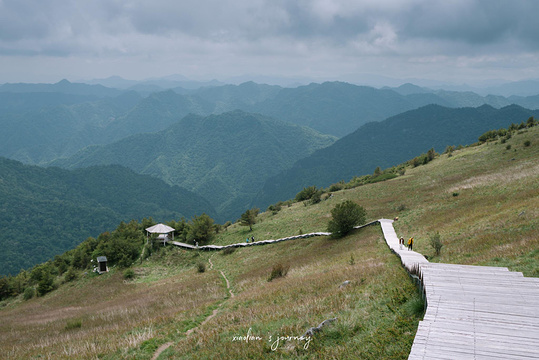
[436, 243]
[201, 229]
[248, 218]
[345, 216]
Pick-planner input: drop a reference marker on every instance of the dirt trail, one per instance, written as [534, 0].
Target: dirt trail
[190, 331]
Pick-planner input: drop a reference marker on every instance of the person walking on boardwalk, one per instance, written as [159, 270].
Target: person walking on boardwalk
[410, 243]
[401, 242]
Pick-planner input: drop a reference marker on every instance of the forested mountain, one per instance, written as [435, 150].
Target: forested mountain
[388, 143]
[43, 122]
[225, 158]
[339, 108]
[46, 211]
[39, 135]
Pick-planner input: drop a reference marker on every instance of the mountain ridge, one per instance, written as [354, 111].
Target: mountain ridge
[388, 143]
[224, 158]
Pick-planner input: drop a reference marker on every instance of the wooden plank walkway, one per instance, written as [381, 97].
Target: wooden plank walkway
[262, 242]
[473, 312]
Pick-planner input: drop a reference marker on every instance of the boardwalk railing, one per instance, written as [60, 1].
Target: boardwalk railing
[262, 242]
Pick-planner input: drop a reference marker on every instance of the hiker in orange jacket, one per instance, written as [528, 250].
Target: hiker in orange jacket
[410, 243]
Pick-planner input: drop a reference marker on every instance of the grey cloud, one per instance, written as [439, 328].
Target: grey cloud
[300, 34]
[477, 22]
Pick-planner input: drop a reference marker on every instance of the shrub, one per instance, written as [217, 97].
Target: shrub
[275, 208]
[527, 143]
[345, 216]
[336, 187]
[45, 284]
[317, 197]
[306, 193]
[278, 270]
[28, 293]
[201, 267]
[70, 275]
[129, 274]
[73, 324]
[436, 243]
[508, 147]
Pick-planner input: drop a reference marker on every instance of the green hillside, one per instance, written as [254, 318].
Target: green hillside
[224, 158]
[375, 316]
[45, 212]
[483, 201]
[388, 143]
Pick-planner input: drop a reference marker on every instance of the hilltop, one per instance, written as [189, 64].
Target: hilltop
[482, 200]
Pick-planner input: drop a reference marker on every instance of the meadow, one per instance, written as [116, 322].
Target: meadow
[482, 200]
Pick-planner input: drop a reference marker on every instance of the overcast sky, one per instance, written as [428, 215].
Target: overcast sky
[461, 41]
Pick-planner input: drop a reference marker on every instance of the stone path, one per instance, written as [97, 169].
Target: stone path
[473, 312]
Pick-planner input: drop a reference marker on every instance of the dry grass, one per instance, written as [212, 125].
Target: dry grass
[115, 315]
[494, 220]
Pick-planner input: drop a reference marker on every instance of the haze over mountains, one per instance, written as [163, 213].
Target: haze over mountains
[224, 158]
[227, 147]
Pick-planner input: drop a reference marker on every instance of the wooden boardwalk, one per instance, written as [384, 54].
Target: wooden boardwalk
[473, 312]
[257, 243]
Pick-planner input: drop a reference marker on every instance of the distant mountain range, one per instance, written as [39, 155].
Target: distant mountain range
[46, 211]
[43, 122]
[234, 146]
[389, 143]
[225, 158]
[524, 88]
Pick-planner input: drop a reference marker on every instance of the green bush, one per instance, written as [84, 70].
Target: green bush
[278, 270]
[201, 267]
[336, 187]
[306, 193]
[73, 324]
[70, 275]
[527, 143]
[129, 274]
[436, 243]
[316, 197]
[345, 216]
[29, 293]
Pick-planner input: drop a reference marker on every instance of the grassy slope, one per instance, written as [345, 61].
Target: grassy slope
[493, 221]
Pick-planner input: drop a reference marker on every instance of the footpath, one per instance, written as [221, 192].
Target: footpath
[473, 312]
